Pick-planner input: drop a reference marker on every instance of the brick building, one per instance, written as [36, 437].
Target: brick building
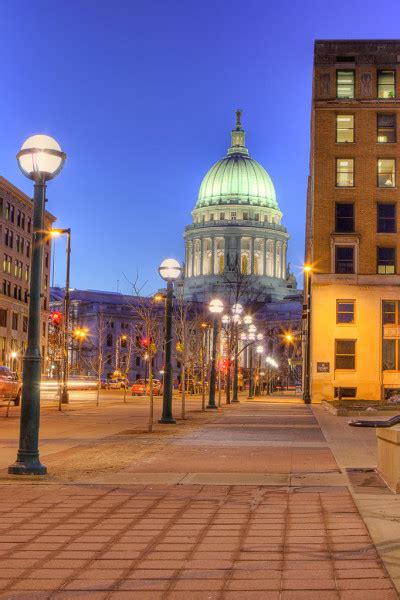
[16, 218]
[353, 219]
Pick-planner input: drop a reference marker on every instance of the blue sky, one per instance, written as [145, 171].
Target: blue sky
[141, 96]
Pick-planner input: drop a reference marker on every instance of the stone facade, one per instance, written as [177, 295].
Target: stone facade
[16, 216]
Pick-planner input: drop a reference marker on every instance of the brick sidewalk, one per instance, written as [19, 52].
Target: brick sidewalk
[179, 542]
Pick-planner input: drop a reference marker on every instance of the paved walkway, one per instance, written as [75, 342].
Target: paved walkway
[255, 506]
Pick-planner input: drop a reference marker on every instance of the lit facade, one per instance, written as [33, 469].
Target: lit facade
[16, 217]
[352, 220]
[236, 226]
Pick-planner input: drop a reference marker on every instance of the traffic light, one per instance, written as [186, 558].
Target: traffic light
[56, 319]
[145, 341]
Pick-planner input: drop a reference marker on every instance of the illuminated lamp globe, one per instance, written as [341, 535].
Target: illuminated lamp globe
[225, 319]
[216, 306]
[251, 337]
[260, 349]
[237, 309]
[252, 329]
[243, 336]
[260, 336]
[41, 158]
[170, 269]
[236, 319]
[247, 320]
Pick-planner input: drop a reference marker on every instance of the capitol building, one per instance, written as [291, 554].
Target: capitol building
[237, 230]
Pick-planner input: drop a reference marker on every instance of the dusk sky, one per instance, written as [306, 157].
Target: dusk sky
[141, 96]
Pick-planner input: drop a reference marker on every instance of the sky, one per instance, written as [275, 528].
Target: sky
[142, 95]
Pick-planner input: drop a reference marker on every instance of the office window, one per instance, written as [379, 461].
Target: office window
[24, 324]
[28, 249]
[345, 311]
[345, 84]
[345, 354]
[3, 317]
[386, 128]
[390, 340]
[386, 261]
[386, 84]
[344, 129]
[386, 218]
[386, 172]
[14, 321]
[109, 341]
[345, 172]
[12, 211]
[29, 227]
[344, 217]
[7, 212]
[344, 259]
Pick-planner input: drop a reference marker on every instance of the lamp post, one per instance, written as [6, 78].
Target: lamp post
[237, 310]
[64, 392]
[204, 327]
[169, 270]
[307, 349]
[215, 307]
[40, 159]
[226, 322]
[259, 350]
[251, 337]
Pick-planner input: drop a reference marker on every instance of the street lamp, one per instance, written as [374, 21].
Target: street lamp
[251, 337]
[307, 350]
[259, 350]
[169, 270]
[39, 159]
[237, 310]
[56, 233]
[215, 307]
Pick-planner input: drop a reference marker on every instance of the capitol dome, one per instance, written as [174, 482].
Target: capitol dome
[237, 179]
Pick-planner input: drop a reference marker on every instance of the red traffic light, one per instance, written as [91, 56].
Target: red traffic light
[145, 342]
[56, 318]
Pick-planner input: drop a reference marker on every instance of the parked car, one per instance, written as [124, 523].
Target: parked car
[113, 384]
[142, 387]
[10, 386]
[104, 383]
[122, 381]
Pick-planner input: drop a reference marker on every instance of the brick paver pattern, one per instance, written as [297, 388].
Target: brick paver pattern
[186, 542]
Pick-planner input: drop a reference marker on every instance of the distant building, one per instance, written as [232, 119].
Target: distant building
[16, 215]
[352, 236]
[237, 228]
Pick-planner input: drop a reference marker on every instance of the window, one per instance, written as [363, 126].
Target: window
[12, 210]
[386, 218]
[212, 217]
[109, 340]
[386, 128]
[346, 392]
[345, 84]
[222, 216]
[245, 216]
[390, 332]
[28, 249]
[345, 311]
[233, 216]
[24, 324]
[344, 129]
[3, 317]
[345, 172]
[137, 361]
[344, 217]
[46, 260]
[29, 227]
[7, 214]
[256, 217]
[386, 84]
[109, 359]
[386, 172]
[14, 321]
[344, 259]
[386, 261]
[44, 329]
[345, 354]
[221, 264]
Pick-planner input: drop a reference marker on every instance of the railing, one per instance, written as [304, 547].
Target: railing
[236, 223]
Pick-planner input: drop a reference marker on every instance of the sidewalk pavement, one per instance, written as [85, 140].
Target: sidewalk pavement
[247, 502]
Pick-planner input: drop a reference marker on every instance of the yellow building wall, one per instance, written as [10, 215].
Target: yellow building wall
[367, 331]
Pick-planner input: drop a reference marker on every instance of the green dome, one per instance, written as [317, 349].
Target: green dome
[237, 178]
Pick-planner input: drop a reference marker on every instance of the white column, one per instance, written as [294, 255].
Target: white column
[213, 241]
[274, 258]
[284, 259]
[251, 246]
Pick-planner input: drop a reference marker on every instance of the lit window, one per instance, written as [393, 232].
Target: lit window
[344, 217]
[386, 261]
[233, 216]
[344, 259]
[244, 264]
[386, 128]
[221, 264]
[345, 354]
[386, 218]
[344, 129]
[345, 311]
[345, 172]
[345, 84]
[386, 85]
[386, 172]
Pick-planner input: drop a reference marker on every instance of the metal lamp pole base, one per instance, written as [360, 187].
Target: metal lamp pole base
[211, 398]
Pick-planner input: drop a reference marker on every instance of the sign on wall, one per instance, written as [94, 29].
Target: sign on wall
[322, 367]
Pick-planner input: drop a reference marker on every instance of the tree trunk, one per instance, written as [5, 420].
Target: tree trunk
[183, 391]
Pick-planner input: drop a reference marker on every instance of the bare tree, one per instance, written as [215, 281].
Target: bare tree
[94, 355]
